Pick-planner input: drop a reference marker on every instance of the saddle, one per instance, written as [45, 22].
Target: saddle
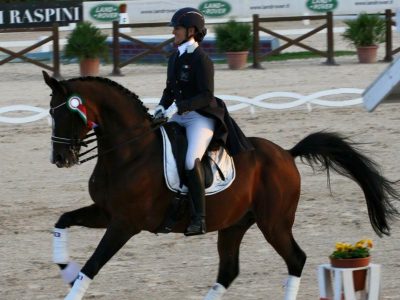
[218, 168]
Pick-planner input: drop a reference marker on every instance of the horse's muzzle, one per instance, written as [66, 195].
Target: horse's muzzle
[66, 160]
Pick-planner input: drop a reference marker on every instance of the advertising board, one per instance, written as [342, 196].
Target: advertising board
[148, 11]
[44, 14]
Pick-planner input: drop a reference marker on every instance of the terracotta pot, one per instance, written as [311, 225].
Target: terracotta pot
[359, 276]
[89, 66]
[367, 54]
[237, 60]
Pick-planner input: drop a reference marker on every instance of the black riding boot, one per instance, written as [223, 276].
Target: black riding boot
[195, 183]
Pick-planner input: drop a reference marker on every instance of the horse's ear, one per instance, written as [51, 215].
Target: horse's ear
[53, 83]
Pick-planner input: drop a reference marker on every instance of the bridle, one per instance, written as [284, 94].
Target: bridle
[76, 143]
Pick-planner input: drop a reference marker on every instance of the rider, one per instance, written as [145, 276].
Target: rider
[190, 82]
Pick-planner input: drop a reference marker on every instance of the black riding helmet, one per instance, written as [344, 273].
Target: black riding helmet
[190, 17]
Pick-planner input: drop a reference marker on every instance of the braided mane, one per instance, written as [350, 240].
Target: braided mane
[118, 86]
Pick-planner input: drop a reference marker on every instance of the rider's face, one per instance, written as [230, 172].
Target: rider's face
[180, 34]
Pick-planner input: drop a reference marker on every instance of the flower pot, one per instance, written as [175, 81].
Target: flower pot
[359, 276]
[89, 66]
[237, 60]
[367, 54]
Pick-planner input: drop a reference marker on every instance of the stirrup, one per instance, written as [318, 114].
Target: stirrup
[196, 228]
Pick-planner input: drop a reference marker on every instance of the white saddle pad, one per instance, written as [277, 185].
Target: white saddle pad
[220, 157]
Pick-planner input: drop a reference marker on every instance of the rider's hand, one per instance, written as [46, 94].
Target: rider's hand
[159, 112]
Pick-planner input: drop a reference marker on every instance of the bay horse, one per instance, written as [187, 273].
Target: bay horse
[130, 194]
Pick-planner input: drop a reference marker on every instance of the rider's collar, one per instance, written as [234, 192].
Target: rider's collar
[188, 47]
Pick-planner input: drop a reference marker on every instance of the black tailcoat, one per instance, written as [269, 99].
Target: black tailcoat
[190, 82]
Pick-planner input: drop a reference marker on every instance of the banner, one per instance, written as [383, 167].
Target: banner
[40, 14]
[149, 11]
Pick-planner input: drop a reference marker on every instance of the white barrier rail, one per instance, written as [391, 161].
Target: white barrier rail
[41, 113]
[244, 102]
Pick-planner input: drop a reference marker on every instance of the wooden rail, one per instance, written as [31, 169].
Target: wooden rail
[389, 36]
[117, 65]
[329, 53]
[21, 54]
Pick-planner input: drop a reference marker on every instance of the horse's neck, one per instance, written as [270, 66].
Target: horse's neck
[123, 126]
[117, 112]
[116, 120]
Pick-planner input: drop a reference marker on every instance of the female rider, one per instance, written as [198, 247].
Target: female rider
[190, 82]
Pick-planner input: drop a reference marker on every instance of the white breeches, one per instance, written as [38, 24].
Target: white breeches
[199, 132]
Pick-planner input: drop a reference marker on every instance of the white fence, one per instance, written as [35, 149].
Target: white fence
[238, 103]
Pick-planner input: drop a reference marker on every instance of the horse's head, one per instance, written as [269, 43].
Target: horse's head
[69, 123]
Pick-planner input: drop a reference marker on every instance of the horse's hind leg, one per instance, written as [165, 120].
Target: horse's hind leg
[229, 240]
[91, 216]
[278, 232]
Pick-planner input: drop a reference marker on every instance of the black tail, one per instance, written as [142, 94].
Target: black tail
[330, 150]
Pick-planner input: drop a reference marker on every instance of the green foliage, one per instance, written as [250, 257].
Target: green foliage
[86, 41]
[354, 253]
[233, 36]
[365, 30]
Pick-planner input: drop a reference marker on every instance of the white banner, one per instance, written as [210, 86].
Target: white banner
[148, 11]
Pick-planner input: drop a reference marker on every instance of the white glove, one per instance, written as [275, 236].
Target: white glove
[159, 112]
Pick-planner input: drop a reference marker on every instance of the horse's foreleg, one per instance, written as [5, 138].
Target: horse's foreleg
[117, 234]
[229, 240]
[90, 216]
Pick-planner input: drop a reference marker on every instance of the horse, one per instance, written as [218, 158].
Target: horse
[130, 195]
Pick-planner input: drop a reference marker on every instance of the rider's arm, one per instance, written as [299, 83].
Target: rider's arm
[168, 97]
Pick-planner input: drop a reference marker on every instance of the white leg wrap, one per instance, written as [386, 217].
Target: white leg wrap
[216, 292]
[292, 287]
[79, 288]
[60, 249]
[70, 272]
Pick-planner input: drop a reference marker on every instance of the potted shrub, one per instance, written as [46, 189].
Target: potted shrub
[235, 40]
[365, 33]
[88, 44]
[347, 255]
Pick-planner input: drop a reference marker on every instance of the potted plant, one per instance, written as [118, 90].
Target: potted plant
[235, 39]
[347, 255]
[365, 33]
[88, 44]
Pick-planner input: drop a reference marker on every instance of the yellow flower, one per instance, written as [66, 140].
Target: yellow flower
[365, 243]
[360, 244]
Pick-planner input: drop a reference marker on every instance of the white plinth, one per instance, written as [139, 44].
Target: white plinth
[343, 283]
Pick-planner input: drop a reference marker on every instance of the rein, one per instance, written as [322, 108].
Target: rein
[152, 129]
